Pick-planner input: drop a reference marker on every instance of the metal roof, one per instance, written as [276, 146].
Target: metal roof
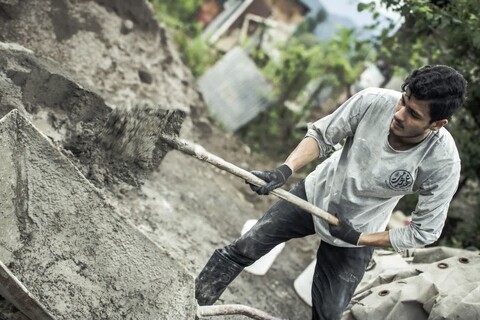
[231, 11]
[235, 90]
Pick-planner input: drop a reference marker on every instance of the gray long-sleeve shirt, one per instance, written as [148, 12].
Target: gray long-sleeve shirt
[366, 178]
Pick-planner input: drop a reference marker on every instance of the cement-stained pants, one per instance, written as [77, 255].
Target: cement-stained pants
[338, 270]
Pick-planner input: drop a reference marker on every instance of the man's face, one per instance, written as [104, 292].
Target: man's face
[412, 118]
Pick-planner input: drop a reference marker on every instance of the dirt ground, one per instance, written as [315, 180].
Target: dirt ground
[189, 208]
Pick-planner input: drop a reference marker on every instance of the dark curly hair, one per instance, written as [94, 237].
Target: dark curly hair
[444, 88]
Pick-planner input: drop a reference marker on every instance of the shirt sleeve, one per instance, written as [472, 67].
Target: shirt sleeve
[430, 213]
[340, 124]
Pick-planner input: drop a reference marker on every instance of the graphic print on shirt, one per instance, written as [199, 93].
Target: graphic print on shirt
[400, 180]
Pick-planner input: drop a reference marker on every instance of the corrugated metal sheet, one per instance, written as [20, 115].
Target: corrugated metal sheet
[234, 89]
[222, 22]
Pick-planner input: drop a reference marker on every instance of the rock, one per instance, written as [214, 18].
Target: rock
[127, 26]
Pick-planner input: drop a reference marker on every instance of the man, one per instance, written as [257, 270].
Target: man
[395, 144]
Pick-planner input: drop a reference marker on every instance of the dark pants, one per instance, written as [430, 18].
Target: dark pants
[338, 270]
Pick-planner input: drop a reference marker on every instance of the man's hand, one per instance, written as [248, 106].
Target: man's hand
[345, 231]
[275, 178]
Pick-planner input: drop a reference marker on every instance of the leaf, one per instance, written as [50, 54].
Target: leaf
[365, 6]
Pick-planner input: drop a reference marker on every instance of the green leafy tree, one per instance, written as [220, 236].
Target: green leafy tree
[180, 17]
[335, 63]
[311, 22]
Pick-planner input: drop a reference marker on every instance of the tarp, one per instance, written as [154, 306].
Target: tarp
[436, 283]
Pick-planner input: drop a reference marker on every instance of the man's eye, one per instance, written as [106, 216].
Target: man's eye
[415, 115]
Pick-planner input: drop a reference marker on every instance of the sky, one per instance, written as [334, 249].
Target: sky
[344, 12]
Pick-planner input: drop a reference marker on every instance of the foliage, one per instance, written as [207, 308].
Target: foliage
[196, 53]
[180, 17]
[441, 32]
[272, 134]
[179, 14]
[466, 233]
[334, 63]
[309, 24]
[339, 60]
[292, 72]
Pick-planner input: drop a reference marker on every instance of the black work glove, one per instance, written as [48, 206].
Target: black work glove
[345, 231]
[275, 178]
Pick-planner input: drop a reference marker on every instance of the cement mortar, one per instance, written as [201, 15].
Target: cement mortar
[109, 147]
[68, 245]
[89, 38]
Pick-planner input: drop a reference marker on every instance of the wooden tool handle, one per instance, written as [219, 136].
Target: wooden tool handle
[200, 153]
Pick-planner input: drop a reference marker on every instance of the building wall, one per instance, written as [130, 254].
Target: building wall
[208, 10]
[257, 7]
[288, 11]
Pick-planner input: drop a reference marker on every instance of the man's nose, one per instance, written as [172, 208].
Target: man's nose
[400, 114]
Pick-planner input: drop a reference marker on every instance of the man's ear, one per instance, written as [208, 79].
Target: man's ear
[436, 125]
